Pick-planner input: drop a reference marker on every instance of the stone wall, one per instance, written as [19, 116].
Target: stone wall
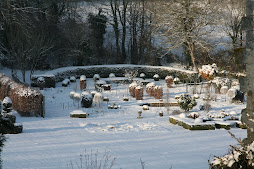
[26, 101]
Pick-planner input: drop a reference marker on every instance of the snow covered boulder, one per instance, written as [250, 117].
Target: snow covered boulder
[87, 100]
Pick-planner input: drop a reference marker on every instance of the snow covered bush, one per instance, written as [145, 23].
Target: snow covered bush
[150, 89]
[65, 82]
[186, 102]
[72, 79]
[156, 77]
[132, 88]
[97, 99]
[139, 93]
[158, 92]
[208, 71]
[169, 81]
[238, 157]
[194, 115]
[96, 77]
[176, 80]
[130, 74]
[7, 104]
[142, 75]
[82, 82]
[87, 99]
[112, 75]
[72, 94]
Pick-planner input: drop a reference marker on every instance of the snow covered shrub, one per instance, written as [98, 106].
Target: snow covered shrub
[132, 88]
[7, 105]
[169, 81]
[72, 94]
[158, 92]
[65, 82]
[224, 89]
[208, 71]
[112, 75]
[97, 99]
[186, 102]
[96, 77]
[139, 93]
[193, 115]
[156, 77]
[219, 82]
[82, 82]
[41, 82]
[150, 89]
[238, 157]
[87, 99]
[72, 79]
[176, 80]
[142, 75]
[130, 74]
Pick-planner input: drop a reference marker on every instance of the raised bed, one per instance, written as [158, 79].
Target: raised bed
[163, 104]
[78, 114]
[191, 126]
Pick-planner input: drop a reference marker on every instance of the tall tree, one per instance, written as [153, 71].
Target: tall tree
[184, 24]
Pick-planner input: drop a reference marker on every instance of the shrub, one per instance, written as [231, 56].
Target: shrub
[87, 100]
[156, 77]
[238, 157]
[186, 102]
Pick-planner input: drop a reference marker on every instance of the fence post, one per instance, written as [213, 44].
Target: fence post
[43, 107]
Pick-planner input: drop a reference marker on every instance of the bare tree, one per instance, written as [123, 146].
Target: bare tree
[184, 24]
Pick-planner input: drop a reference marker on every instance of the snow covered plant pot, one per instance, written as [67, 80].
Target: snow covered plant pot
[176, 80]
[72, 79]
[65, 82]
[186, 102]
[82, 82]
[156, 77]
[112, 75]
[169, 81]
[96, 77]
[142, 75]
[87, 100]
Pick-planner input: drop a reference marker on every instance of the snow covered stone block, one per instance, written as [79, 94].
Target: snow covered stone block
[78, 114]
[50, 80]
[18, 128]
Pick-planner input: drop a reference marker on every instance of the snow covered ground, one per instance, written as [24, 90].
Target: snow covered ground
[58, 140]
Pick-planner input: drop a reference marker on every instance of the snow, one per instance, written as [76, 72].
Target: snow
[56, 140]
[7, 101]
[76, 112]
